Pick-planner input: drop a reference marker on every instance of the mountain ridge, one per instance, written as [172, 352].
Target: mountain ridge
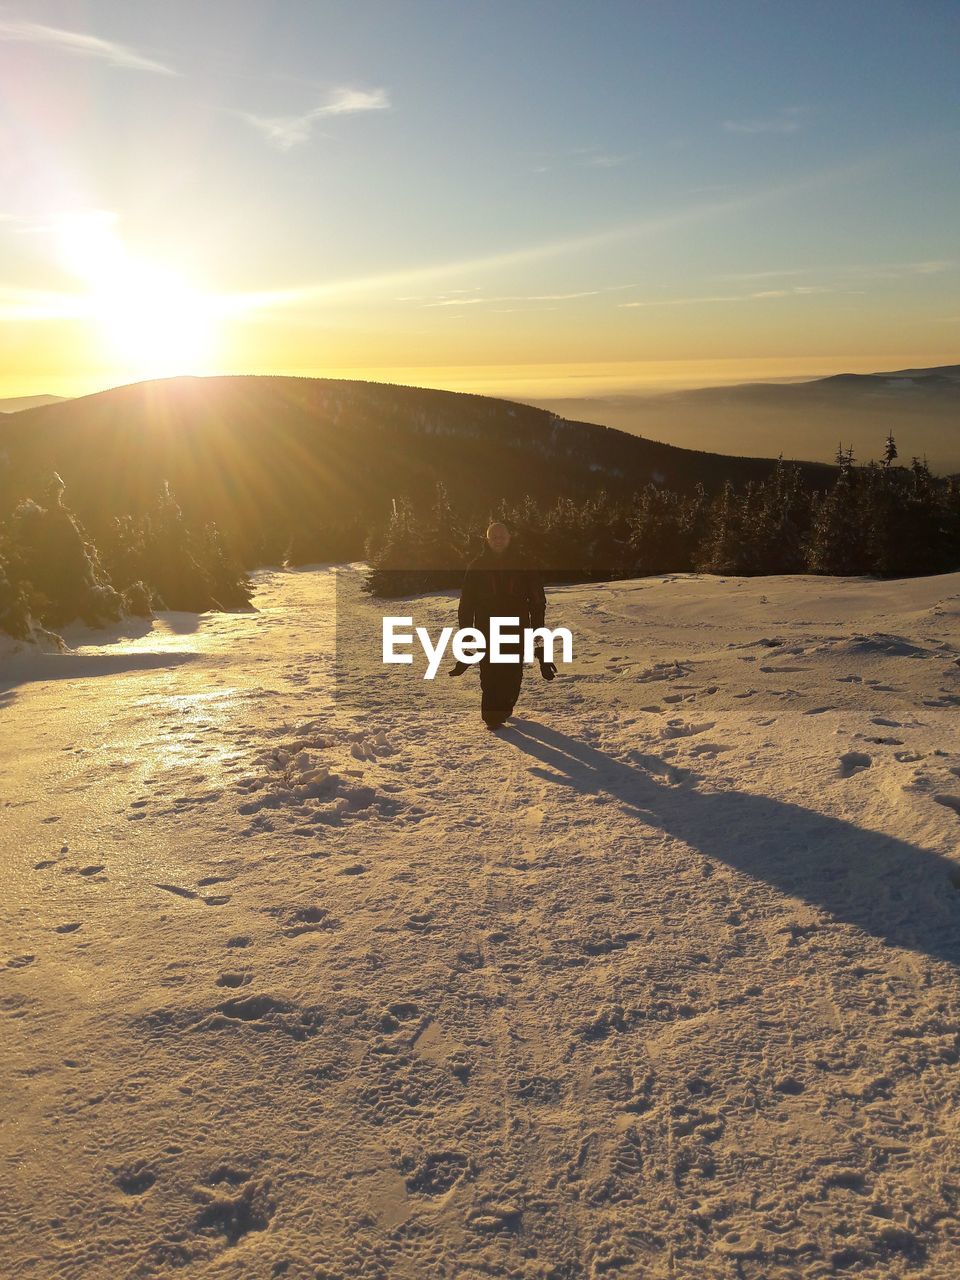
[248, 451]
[921, 406]
[16, 404]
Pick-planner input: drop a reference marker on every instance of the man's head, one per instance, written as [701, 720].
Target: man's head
[498, 537]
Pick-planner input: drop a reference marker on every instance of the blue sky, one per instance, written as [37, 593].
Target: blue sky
[522, 186]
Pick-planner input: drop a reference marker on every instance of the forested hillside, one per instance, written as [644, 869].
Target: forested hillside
[164, 495]
[314, 462]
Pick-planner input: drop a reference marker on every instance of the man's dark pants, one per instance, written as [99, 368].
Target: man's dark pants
[499, 689]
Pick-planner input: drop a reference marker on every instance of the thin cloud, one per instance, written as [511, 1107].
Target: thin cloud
[605, 160]
[583, 157]
[445, 300]
[761, 295]
[687, 302]
[41, 304]
[765, 275]
[14, 31]
[283, 132]
[345, 101]
[934, 267]
[897, 270]
[287, 132]
[876, 270]
[798, 291]
[455, 302]
[789, 120]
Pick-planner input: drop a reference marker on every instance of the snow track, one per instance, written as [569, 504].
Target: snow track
[305, 973]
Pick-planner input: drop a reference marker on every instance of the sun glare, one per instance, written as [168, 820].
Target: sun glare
[156, 324]
[152, 322]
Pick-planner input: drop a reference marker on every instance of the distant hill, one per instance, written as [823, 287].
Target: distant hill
[16, 403]
[803, 419]
[261, 455]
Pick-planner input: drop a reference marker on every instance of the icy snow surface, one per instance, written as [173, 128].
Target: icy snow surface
[308, 976]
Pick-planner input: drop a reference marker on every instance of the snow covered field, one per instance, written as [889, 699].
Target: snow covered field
[304, 973]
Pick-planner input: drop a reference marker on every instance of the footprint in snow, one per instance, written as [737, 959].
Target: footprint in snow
[854, 762]
[178, 890]
[370, 748]
[948, 700]
[708, 749]
[677, 729]
[232, 978]
[135, 1179]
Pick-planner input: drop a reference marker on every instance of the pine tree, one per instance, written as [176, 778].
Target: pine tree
[55, 568]
[187, 568]
[417, 551]
[837, 543]
[725, 549]
[15, 617]
[693, 524]
[441, 543]
[656, 541]
[780, 522]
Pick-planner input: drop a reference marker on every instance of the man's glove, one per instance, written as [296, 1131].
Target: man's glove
[547, 669]
[458, 669]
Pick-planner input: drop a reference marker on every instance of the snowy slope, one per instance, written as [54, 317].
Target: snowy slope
[304, 973]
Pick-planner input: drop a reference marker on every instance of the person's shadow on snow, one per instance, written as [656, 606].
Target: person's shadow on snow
[904, 894]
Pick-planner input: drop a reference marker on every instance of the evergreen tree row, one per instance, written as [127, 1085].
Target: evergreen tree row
[880, 519]
[876, 520]
[51, 573]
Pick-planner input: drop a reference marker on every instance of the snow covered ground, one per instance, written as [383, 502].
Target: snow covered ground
[303, 973]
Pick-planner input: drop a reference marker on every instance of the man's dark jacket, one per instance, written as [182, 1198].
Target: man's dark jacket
[502, 586]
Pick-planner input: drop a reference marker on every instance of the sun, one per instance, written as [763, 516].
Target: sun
[156, 324]
[151, 321]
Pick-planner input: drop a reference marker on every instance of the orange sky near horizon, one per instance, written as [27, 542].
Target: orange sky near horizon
[109, 313]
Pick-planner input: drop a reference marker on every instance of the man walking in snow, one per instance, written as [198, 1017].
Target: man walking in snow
[500, 584]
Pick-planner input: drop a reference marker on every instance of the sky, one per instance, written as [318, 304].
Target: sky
[505, 196]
